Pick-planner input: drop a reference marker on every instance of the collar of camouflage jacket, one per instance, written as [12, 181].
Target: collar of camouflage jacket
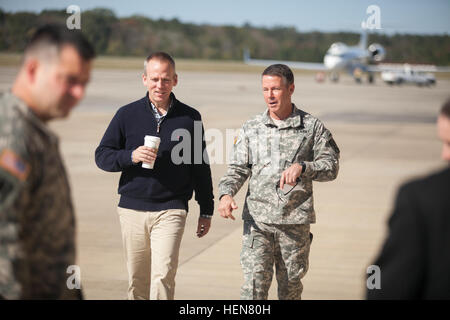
[31, 116]
[294, 120]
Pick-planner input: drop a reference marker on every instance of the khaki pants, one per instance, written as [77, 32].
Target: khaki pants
[151, 241]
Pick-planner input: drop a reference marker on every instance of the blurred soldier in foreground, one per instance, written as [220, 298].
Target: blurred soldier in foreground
[37, 225]
[415, 260]
[282, 151]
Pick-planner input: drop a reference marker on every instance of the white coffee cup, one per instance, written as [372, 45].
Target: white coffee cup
[151, 142]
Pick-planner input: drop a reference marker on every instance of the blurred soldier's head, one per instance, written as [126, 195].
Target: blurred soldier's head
[159, 77]
[278, 87]
[55, 71]
[444, 130]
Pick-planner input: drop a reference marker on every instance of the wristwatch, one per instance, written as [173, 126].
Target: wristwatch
[303, 166]
[205, 216]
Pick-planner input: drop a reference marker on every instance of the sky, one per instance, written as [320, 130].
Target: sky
[399, 16]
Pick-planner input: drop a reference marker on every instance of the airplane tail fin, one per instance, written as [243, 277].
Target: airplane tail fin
[363, 40]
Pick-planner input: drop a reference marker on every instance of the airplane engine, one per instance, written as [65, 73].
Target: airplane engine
[377, 52]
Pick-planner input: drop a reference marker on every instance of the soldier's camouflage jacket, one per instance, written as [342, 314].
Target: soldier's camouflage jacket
[37, 227]
[263, 151]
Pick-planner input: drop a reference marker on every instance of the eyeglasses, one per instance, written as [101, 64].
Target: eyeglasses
[286, 189]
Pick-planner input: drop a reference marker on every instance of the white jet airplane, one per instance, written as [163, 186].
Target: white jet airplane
[354, 60]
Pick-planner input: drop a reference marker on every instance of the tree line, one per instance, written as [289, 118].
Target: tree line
[139, 35]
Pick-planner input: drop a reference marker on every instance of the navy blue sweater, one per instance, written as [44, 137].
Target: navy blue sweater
[168, 185]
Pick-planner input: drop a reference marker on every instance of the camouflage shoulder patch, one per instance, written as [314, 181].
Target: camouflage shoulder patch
[13, 163]
[334, 145]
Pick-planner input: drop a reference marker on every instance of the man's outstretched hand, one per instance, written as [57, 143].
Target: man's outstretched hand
[226, 207]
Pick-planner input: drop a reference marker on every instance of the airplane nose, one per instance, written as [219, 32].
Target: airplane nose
[332, 62]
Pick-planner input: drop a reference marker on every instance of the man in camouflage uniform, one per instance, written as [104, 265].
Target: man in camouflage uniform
[282, 151]
[37, 223]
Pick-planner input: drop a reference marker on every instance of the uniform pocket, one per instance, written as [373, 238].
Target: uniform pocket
[263, 168]
[252, 255]
[299, 152]
[248, 241]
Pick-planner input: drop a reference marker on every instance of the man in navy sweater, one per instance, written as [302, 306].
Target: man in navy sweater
[154, 202]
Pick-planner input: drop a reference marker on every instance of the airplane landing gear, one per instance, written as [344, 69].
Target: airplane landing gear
[357, 75]
[334, 76]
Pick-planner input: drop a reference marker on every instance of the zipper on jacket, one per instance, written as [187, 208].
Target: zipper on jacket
[159, 124]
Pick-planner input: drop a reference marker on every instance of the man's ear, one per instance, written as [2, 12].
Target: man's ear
[144, 79]
[31, 66]
[292, 88]
[175, 80]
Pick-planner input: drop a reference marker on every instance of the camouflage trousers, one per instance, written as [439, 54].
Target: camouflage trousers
[286, 246]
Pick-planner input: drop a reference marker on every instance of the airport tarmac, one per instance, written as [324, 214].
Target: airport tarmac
[386, 135]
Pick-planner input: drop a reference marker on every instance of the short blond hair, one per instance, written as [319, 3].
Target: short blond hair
[160, 55]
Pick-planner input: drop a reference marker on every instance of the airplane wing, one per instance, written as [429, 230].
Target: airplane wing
[441, 69]
[375, 68]
[292, 64]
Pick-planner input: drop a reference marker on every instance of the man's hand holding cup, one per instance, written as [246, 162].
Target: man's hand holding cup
[147, 153]
[144, 154]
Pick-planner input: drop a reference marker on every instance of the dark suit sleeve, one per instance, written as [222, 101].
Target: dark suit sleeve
[111, 155]
[202, 178]
[402, 259]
